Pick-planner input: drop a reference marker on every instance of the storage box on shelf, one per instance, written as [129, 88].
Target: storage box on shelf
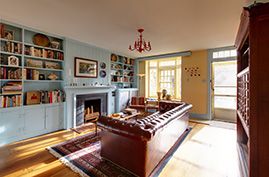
[122, 71]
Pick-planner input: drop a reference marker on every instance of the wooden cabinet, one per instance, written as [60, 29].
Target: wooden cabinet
[252, 44]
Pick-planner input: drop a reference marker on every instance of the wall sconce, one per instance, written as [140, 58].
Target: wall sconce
[141, 76]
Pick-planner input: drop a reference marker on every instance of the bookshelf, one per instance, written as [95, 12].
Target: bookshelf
[30, 61]
[122, 71]
[252, 91]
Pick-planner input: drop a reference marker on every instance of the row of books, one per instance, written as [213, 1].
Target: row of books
[44, 53]
[44, 97]
[10, 101]
[55, 96]
[10, 73]
[12, 47]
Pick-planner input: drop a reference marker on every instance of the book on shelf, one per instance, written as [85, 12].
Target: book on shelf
[24, 74]
[2, 30]
[10, 101]
[7, 92]
[44, 53]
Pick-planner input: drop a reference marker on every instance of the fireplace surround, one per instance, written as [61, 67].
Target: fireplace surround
[96, 101]
[72, 92]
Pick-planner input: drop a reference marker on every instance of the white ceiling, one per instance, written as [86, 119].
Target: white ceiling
[170, 25]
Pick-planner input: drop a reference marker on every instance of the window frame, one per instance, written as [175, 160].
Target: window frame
[177, 73]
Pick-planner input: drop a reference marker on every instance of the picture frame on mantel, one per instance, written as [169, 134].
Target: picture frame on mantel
[86, 68]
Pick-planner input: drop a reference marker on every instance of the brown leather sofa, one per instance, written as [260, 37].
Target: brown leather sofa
[140, 145]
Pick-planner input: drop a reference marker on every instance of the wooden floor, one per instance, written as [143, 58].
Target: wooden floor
[206, 152]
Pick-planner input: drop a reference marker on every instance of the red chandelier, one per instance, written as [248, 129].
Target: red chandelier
[140, 45]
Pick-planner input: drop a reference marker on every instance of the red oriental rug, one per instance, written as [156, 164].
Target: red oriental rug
[82, 155]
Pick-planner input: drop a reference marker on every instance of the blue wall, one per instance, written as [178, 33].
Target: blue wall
[78, 49]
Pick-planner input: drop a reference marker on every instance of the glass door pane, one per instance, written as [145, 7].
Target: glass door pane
[224, 90]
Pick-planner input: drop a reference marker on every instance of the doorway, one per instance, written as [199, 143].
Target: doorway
[223, 90]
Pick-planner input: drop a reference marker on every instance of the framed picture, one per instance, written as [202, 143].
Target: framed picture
[86, 68]
[13, 61]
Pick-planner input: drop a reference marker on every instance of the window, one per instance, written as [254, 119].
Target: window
[224, 54]
[164, 74]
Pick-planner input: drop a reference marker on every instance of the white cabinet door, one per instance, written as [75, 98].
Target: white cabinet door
[11, 125]
[34, 119]
[54, 118]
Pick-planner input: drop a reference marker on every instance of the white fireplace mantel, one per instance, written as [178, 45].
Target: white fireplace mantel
[90, 87]
[71, 93]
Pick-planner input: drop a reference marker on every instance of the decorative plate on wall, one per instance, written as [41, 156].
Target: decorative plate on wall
[102, 65]
[41, 40]
[102, 73]
[114, 57]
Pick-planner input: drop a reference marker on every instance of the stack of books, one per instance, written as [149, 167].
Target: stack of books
[11, 95]
[12, 88]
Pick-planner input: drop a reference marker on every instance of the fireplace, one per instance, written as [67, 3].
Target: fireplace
[91, 105]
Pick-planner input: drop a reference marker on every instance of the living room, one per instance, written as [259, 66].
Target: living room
[134, 88]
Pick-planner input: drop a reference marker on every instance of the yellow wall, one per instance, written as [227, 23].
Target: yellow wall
[194, 89]
[142, 70]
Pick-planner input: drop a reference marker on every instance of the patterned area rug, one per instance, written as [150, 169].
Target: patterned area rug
[82, 155]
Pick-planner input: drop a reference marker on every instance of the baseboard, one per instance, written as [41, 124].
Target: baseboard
[200, 116]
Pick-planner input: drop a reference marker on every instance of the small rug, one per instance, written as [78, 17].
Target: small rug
[82, 155]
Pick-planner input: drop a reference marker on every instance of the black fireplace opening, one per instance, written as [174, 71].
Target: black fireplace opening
[90, 103]
[93, 105]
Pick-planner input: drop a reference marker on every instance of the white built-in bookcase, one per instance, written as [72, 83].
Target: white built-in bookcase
[24, 37]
